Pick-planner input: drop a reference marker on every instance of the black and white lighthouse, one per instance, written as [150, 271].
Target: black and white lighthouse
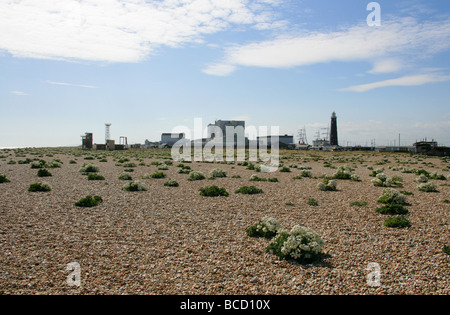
[333, 131]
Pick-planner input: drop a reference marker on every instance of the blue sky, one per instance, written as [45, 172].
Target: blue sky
[67, 67]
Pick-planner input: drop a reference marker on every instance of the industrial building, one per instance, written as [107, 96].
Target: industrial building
[87, 141]
[169, 139]
[283, 142]
[219, 130]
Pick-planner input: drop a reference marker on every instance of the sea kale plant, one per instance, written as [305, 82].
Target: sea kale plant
[300, 243]
[327, 185]
[266, 227]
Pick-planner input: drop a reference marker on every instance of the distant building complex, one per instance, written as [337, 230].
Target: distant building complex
[231, 133]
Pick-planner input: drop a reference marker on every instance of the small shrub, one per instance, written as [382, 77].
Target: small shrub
[443, 201]
[256, 178]
[327, 185]
[306, 173]
[213, 191]
[89, 201]
[11, 162]
[427, 187]
[382, 180]
[392, 196]
[377, 171]
[285, 169]
[355, 178]
[134, 186]
[249, 190]
[359, 203]
[43, 173]
[397, 180]
[195, 175]
[397, 222]
[343, 172]
[89, 168]
[446, 249]
[54, 164]
[437, 176]
[163, 167]
[300, 243]
[93, 176]
[273, 180]
[266, 227]
[392, 209]
[38, 187]
[3, 179]
[312, 202]
[125, 176]
[158, 175]
[422, 179]
[171, 183]
[72, 162]
[217, 172]
[38, 164]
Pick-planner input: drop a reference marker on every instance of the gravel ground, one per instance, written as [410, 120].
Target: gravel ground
[171, 240]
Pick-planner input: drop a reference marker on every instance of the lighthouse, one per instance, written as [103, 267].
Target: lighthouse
[333, 131]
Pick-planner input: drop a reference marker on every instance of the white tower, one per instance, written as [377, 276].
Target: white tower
[107, 132]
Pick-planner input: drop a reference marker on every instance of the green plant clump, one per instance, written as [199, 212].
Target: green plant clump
[171, 183]
[125, 176]
[213, 191]
[195, 175]
[327, 185]
[312, 202]
[158, 175]
[93, 176]
[427, 187]
[397, 222]
[446, 249]
[134, 186]
[300, 243]
[89, 168]
[38, 187]
[392, 196]
[3, 179]
[266, 227]
[43, 173]
[89, 201]
[217, 172]
[392, 209]
[359, 203]
[249, 190]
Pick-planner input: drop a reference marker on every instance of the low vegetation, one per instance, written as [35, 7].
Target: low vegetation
[89, 201]
[134, 186]
[213, 191]
[249, 190]
[266, 227]
[40, 187]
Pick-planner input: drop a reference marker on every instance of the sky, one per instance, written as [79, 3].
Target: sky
[67, 67]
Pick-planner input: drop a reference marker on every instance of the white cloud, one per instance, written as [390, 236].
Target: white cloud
[116, 30]
[413, 80]
[71, 84]
[19, 93]
[386, 66]
[400, 36]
